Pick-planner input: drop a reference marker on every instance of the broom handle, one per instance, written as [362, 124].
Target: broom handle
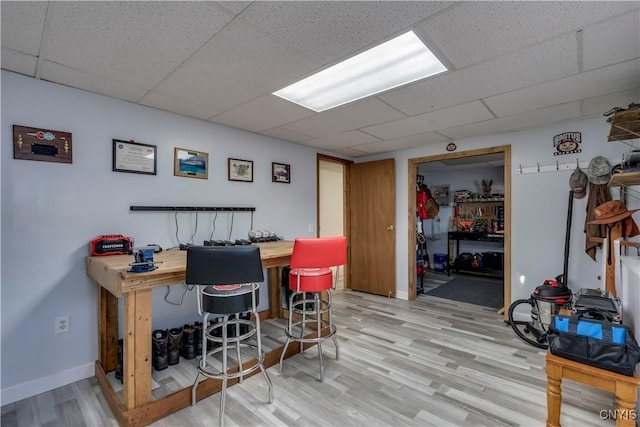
[567, 238]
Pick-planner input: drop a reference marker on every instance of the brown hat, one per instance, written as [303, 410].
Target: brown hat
[578, 183]
[610, 212]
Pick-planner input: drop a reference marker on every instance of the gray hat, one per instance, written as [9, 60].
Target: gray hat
[599, 170]
[578, 183]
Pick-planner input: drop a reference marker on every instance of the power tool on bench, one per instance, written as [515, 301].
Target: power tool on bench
[111, 244]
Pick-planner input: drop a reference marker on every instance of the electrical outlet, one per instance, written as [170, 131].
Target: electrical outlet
[62, 324]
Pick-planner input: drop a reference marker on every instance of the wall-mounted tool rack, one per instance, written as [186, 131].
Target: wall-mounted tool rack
[190, 209]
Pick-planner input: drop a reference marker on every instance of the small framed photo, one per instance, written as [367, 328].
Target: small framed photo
[190, 163]
[240, 170]
[134, 157]
[281, 172]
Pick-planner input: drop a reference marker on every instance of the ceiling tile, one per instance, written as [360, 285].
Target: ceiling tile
[530, 119]
[134, 42]
[599, 105]
[263, 113]
[286, 135]
[234, 7]
[326, 34]
[550, 60]
[413, 141]
[68, 76]
[447, 117]
[479, 30]
[347, 117]
[612, 41]
[22, 24]
[592, 83]
[350, 152]
[353, 137]
[237, 65]
[163, 102]
[19, 62]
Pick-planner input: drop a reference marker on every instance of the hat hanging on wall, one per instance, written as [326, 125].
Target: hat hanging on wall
[578, 183]
[599, 171]
[614, 211]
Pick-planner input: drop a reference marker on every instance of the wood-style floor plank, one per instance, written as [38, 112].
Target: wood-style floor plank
[429, 362]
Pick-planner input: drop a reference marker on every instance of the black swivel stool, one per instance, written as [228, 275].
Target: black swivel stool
[228, 278]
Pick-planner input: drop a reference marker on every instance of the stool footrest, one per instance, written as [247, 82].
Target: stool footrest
[229, 375]
[231, 339]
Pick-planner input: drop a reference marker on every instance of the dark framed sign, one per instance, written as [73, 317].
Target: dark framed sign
[240, 170]
[41, 144]
[281, 172]
[134, 157]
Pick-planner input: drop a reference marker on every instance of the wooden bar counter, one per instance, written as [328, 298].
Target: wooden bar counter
[110, 273]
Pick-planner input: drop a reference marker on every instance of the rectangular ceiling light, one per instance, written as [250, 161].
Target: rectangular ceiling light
[399, 61]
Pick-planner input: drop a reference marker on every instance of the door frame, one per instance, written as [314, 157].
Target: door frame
[413, 171]
[346, 206]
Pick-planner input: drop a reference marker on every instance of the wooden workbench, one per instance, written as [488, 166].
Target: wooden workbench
[110, 273]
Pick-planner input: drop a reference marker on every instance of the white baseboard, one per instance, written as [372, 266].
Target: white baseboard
[40, 385]
[402, 295]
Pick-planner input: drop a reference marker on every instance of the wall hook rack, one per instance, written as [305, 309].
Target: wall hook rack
[190, 209]
[557, 167]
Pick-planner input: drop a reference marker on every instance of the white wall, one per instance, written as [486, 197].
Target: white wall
[50, 212]
[538, 204]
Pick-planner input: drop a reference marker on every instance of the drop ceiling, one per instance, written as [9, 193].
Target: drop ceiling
[511, 65]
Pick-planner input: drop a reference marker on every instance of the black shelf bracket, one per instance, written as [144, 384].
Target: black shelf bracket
[189, 209]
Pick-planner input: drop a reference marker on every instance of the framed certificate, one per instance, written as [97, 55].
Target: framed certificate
[134, 157]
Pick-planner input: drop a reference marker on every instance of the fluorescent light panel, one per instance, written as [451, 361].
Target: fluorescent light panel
[399, 61]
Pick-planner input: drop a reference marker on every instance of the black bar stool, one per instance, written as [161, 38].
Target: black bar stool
[228, 278]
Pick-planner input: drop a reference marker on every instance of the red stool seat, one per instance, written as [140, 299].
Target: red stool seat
[311, 279]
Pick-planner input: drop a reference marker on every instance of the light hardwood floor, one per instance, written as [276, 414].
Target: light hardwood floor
[419, 363]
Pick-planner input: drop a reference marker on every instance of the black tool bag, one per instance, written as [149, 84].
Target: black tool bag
[594, 342]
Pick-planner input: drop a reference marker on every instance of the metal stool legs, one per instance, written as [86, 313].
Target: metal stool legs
[319, 308]
[226, 342]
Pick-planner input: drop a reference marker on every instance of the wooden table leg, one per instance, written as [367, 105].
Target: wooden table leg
[137, 348]
[626, 404]
[275, 292]
[554, 394]
[107, 330]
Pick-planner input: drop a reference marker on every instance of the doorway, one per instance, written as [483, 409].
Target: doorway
[413, 172]
[333, 202]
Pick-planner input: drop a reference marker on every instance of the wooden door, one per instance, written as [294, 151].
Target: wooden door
[373, 235]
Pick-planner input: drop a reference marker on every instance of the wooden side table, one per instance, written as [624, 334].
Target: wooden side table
[624, 387]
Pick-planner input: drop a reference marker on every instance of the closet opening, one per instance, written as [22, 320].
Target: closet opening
[459, 231]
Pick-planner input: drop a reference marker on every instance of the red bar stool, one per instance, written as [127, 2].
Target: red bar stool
[310, 276]
[228, 278]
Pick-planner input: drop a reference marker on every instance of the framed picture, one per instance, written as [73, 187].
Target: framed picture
[190, 163]
[240, 170]
[134, 157]
[281, 172]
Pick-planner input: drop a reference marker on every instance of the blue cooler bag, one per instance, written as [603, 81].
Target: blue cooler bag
[593, 342]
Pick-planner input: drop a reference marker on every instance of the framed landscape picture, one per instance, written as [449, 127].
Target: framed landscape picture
[190, 163]
[240, 170]
[281, 172]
